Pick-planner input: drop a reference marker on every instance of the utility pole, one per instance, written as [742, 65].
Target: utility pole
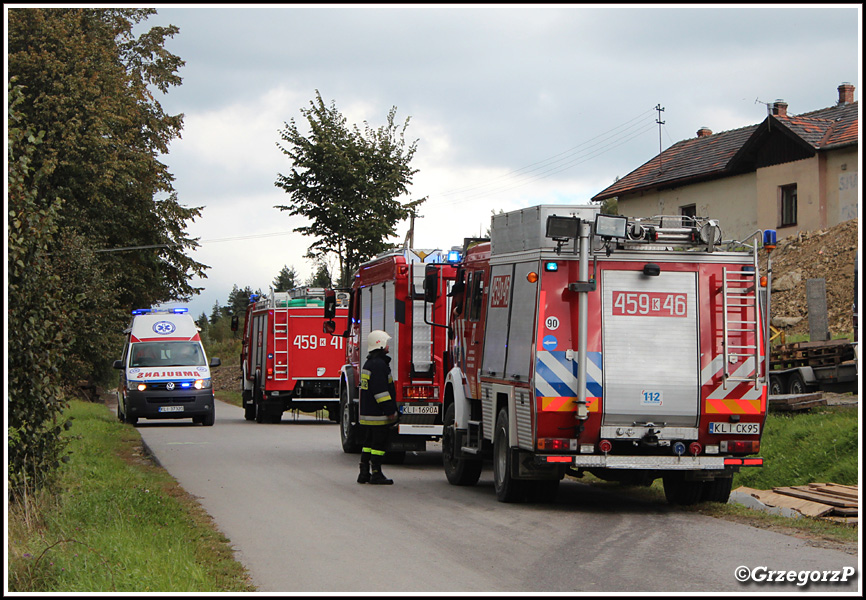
[660, 109]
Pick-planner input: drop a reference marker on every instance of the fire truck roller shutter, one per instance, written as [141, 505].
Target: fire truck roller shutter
[651, 353]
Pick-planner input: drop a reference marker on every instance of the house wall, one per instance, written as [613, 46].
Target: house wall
[826, 191]
[731, 200]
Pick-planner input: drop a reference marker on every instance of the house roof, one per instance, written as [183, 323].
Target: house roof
[737, 151]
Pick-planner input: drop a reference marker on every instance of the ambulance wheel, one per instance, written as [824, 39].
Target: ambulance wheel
[210, 418]
[776, 385]
[120, 416]
[131, 420]
[796, 385]
[249, 406]
[682, 492]
[348, 432]
[717, 490]
[459, 471]
[508, 489]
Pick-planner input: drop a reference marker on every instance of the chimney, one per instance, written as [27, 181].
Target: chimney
[705, 132]
[846, 93]
[780, 108]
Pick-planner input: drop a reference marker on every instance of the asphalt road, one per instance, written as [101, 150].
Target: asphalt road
[285, 495]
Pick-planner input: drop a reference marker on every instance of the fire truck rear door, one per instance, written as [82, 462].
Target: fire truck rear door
[651, 346]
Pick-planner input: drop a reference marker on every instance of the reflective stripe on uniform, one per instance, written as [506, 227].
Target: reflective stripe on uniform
[383, 397]
[365, 379]
[375, 420]
[377, 452]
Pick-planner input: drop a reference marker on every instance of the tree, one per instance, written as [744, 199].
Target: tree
[89, 83]
[215, 313]
[321, 278]
[38, 313]
[239, 299]
[202, 321]
[286, 280]
[347, 182]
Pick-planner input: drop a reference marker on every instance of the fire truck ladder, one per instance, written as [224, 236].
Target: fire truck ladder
[741, 310]
[281, 345]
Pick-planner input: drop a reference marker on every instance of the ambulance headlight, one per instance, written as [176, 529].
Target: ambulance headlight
[135, 385]
[201, 384]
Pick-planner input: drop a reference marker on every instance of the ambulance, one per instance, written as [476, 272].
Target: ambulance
[164, 370]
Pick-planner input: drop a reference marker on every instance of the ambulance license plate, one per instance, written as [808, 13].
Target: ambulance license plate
[736, 428]
[170, 409]
[421, 410]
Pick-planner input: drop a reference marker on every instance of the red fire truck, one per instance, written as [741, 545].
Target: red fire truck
[387, 294]
[649, 365]
[287, 363]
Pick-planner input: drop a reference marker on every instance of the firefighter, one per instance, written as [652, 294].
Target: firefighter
[378, 409]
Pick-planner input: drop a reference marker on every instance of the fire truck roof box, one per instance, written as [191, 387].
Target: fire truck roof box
[524, 229]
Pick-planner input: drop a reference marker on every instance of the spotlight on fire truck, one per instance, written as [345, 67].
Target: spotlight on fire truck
[611, 226]
[562, 228]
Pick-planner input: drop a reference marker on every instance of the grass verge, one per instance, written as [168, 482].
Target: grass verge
[118, 524]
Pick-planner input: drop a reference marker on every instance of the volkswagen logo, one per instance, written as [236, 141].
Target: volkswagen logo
[169, 386]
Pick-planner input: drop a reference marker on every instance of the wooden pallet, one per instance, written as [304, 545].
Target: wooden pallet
[829, 501]
[795, 402]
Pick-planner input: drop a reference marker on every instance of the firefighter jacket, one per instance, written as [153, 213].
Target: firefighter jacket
[378, 397]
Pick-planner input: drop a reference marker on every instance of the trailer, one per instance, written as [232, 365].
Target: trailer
[286, 363]
[650, 365]
[804, 367]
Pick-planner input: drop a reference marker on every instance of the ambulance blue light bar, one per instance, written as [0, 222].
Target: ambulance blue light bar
[141, 311]
[179, 311]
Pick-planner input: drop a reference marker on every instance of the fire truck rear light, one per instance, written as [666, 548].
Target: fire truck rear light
[532, 277]
[741, 446]
[558, 459]
[557, 444]
[753, 462]
[605, 446]
[695, 448]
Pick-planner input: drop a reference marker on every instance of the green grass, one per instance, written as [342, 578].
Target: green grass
[119, 523]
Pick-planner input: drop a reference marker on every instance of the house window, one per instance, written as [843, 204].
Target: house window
[788, 205]
[688, 210]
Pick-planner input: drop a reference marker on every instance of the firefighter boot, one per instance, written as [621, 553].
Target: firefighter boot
[364, 475]
[377, 477]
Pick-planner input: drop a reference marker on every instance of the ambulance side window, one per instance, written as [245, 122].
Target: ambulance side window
[474, 297]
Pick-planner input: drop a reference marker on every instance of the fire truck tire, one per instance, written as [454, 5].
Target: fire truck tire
[680, 491]
[459, 471]
[258, 405]
[348, 432]
[717, 490]
[508, 489]
[249, 407]
[777, 385]
[796, 385]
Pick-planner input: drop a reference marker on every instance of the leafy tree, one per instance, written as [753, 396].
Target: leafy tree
[346, 183]
[89, 83]
[38, 311]
[286, 280]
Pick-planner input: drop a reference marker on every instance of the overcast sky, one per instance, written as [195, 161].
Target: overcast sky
[512, 105]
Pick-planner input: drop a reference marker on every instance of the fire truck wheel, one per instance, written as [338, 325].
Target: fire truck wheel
[776, 385]
[508, 489]
[258, 405]
[717, 490]
[249, 407]
[348, 432]
[682, 492]
[459, 471]
[796, 385]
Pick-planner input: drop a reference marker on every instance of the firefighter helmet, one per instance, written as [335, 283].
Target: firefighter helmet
[377, 340]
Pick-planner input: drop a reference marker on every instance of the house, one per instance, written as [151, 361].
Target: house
[791, 173]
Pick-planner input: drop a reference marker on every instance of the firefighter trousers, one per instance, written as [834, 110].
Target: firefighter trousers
[375, 440]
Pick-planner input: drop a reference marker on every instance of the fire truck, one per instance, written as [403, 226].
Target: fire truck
[287, 363]
[632, 349]
[387, 294]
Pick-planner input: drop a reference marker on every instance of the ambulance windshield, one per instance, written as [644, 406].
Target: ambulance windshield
[166, 354]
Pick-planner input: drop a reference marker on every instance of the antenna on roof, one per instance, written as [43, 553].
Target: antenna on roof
[769, 106]
[660, 110]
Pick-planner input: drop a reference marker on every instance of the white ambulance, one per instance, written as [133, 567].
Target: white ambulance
[164, 370]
